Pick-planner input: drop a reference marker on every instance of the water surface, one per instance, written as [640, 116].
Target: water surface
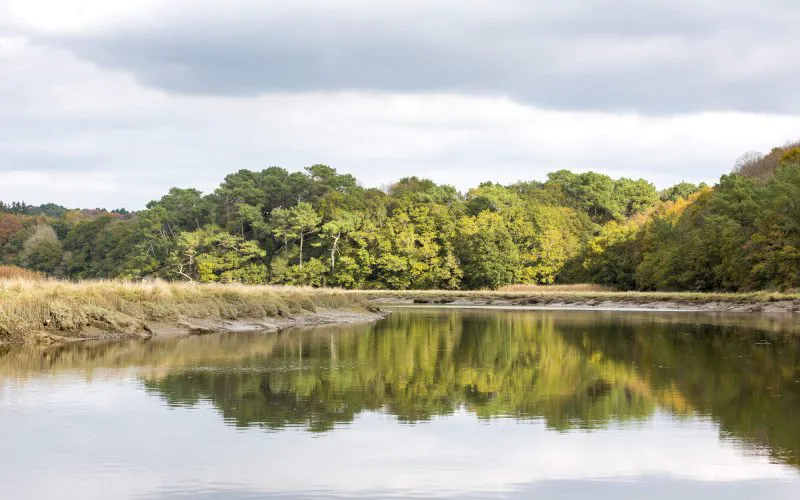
[427, 403]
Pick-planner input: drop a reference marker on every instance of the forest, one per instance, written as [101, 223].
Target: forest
[322, 228]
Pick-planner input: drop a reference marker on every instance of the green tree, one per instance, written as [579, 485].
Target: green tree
[633, 197]
[773, 251]
[210, 255]
[680, 190]
[558, 237]
[183, 210]
[333, 231]
[486, 250]
[42, 251]
[304, 222]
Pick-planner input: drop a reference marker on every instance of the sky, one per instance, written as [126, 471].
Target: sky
[109, 104]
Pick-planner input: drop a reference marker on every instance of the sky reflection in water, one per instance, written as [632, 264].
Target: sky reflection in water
[470, 404]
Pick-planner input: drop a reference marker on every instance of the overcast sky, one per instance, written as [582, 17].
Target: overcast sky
[110, 103]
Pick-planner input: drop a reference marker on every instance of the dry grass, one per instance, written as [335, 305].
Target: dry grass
[47, 311]
[18, 273]
[577, 287]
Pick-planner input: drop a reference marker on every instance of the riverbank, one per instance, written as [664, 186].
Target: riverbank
[765, 302]
[50, 312]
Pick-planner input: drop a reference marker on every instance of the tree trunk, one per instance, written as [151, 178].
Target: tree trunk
[334, 248]
[301, 250]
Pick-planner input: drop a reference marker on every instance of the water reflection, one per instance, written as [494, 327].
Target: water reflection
[656, 393]
[571, 369]
[416, 366]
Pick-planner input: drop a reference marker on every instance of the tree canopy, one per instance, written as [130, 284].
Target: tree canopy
[320, 227]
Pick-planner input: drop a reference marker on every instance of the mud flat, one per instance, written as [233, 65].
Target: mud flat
[621, 301]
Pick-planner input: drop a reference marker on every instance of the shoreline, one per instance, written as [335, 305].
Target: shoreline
[189, 327]
[598, 301]
[56, 312]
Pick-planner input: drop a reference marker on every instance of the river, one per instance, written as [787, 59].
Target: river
[434, 402]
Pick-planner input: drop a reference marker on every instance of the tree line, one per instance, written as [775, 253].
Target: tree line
[321, 228]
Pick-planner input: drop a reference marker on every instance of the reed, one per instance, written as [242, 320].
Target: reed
[49, 311]
[577, 287]
[19, 273]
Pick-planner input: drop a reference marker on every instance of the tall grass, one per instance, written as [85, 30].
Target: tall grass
[18, 273]
[577, 287]
[54, 310]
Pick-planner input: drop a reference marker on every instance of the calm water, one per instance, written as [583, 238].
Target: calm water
[427, 403]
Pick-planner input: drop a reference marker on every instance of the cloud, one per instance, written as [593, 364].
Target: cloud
[91, 122]
[109, 104]
[659, 57]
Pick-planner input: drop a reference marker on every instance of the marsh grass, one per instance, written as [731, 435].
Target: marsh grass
[19, 273]
[50, 311]
[57, 310]
[577, 287]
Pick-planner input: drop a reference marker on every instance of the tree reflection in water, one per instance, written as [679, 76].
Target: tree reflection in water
[570, 369]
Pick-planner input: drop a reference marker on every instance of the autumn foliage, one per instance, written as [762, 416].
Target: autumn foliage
[321, 228]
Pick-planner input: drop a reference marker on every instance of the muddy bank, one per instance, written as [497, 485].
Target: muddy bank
[319, 318]
[204, 326]
[623, 302]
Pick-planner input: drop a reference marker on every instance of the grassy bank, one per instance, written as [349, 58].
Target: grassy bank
[46, 311]
[54, 311]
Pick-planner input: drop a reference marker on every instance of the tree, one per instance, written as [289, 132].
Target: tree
[304, 222]
[324, 179]
[680, 190]
[633, 197]
[319, 227]
[211, 255]
[495, 198]
[791, 156]
[42, 251]
[588, 192]
[612, 257]
[183, 209]
[9, 224]
[416, 190]
[334, 230]
[294, 223]
[282, 227]
[773, 251]
[558, 237]
[487, 252]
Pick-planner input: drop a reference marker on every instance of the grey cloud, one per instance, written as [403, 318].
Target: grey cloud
[75, 131]
[659, 57]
